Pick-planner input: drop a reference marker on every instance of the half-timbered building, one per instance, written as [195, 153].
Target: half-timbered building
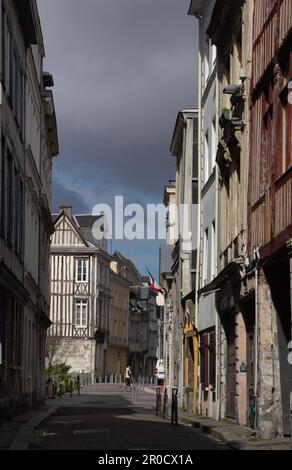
[270, 212]
[80, 283]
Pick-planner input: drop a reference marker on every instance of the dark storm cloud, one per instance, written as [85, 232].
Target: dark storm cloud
[122, 70]
[61, 195]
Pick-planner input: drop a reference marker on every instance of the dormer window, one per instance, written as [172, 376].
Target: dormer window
[81, 269]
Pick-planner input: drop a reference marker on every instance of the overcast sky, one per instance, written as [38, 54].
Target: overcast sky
[122, 71]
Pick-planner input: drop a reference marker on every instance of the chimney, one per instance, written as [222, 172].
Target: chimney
[66, 208]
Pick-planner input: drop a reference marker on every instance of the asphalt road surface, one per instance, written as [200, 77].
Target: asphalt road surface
[108, 418]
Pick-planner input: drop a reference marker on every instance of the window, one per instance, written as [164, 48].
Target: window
[213, 250]
[213, 144]
[205, 256]
[99, 313]
[21, 217]
[212, 359]
[13, 75]
[16, 209]
[206, 157]
[3, 39]
[208, 359]
[213, 54]
[82, 269]
[207, 60]
[3, 181]
[9, 197]
[284, 156]
[195, 192]
[195, 149]
[80, 318]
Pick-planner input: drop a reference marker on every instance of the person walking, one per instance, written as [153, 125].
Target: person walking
[128, 379]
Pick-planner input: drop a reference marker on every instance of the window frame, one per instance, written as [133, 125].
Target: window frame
[84, 269]
[208, 359]
[80, 303]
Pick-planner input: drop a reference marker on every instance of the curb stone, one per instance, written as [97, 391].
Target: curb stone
[225, 435]
[22, 439]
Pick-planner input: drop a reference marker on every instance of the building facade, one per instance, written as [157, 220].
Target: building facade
[184, 147]
[207, 319]
[270, 213]
[118, 341]
[166, 282]
[236, 338]
[80, 296]
[28, 142]
[143, 321]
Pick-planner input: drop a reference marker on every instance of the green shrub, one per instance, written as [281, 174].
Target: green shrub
[59, 373]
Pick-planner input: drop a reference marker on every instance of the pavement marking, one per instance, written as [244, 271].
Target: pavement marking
[90, 431]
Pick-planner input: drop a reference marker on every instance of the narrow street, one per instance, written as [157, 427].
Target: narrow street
[108, 419]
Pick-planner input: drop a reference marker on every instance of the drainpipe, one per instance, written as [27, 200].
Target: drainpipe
[181, 372]
[257, 257]
[196, 365]
[218, 335]
[218, 365]
[196, 337]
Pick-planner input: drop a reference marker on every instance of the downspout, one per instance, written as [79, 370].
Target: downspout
[256, 251]
[196, 365]
[196, 337]
[217, 323]
[181, 326]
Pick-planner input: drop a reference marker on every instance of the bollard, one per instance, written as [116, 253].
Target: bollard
[78, 384]
[134, 392]
[174, 416]
[158, 401]
[165, 404]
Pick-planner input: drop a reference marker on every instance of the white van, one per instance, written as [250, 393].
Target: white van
[159, 373]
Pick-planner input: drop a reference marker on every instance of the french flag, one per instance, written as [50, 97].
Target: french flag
[154, 286]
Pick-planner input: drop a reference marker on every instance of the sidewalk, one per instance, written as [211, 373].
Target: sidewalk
[20, 425]
[235, 436]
